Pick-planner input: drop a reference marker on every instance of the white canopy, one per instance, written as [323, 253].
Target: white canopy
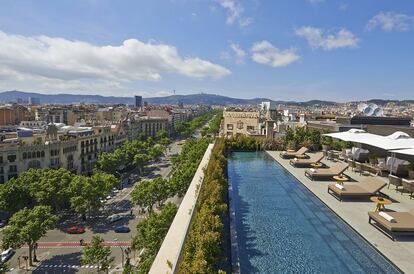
[409, 151]
[397, 140]
[352, 135]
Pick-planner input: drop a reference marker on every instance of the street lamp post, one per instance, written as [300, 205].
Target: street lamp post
[34, 252]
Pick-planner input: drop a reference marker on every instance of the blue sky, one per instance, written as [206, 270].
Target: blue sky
[283, 50]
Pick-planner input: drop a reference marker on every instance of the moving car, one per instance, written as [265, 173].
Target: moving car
[6, 255]
[75, 230]
[114, 218]
[122, 229]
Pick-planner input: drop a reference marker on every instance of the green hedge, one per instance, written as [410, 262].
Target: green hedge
[203, 248]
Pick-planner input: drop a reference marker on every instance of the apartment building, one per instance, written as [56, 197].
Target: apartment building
[241, 123]
[13, 114]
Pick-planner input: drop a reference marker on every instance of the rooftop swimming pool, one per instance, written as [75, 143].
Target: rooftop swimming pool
[282, 227]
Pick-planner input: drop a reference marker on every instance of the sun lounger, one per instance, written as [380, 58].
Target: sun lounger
[365, 189]
[315, 158]
[290, 155]
[326, 173]
[403, 223]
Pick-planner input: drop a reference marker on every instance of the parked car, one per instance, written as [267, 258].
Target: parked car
[6, 255]
[75, 230]
[114, 218]
[2, 223]
[122, 229]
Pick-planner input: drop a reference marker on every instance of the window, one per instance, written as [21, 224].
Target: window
[38, 154]
[42, 154]
[250, 128]
[239, 125]
[12, 168]
[1, 170]
[12, 176]
[11, 158]
[1, 179]
[230, 126]
[24, 155]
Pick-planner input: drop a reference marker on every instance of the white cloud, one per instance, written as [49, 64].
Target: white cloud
[239, 53]
[264, 52]
[235, 12]
[68, 64]
[343, 6]
[314, 2]
[391, 21]
[317, 38]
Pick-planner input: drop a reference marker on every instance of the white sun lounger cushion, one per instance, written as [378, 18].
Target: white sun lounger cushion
[339, 186]
[387, 217]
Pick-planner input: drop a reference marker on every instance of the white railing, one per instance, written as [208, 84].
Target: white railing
[169, 255]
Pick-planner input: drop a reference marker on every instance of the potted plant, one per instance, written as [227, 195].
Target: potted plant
[326, 143]
[337, 145]
[372, 158]
[291, 145]
[411, 170]
[315, 138]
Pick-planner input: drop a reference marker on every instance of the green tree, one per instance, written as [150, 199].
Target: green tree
[155, 152]
[141, 160]
[27, 226]
[164, 141]
[151, 233]
[128, 269]
[4, 268]
[110, 162]
[144, 194]
[15, 194]
[104, 182]
[51, 187]
[162, 134]
[97, 254]
[86, 193]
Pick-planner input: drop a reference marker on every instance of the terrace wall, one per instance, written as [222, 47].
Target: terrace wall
[168, 257]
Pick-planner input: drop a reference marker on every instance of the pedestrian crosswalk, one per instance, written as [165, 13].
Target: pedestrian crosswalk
[44, 266]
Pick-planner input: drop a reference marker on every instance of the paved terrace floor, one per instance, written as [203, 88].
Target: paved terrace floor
[355, 213]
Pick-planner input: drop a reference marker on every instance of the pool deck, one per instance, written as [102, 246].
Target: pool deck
[355, 213]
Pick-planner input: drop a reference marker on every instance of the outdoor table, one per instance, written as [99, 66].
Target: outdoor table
[380, 203]
[316, 165]
[340, 179]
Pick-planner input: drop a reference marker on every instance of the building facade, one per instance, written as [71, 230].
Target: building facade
[241, 123]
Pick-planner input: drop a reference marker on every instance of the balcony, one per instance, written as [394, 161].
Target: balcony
[56, 165]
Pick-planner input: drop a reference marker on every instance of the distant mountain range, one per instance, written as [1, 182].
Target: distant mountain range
[192, 99]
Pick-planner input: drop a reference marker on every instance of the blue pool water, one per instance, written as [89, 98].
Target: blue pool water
[283, 228]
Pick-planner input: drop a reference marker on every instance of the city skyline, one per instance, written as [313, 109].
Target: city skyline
[307, 49]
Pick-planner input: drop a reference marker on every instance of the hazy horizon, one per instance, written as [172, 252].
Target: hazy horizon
[206, 93]
[295, 50]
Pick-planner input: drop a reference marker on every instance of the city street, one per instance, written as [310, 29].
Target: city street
[60, 252]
